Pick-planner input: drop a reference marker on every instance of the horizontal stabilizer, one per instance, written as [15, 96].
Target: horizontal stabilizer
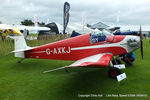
[21, 50]
[54, 70]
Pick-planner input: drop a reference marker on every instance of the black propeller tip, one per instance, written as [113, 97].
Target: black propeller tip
[141, 41]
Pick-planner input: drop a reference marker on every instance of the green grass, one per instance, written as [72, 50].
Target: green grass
[33, 34]
[6, 46]
[26, 81]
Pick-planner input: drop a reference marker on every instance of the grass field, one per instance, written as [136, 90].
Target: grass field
[26, 81]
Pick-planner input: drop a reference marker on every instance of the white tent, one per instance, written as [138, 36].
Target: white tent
[75, 27]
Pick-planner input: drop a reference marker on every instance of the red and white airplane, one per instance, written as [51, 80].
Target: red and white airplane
[93, 50]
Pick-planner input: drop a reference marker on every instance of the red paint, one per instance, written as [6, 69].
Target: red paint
[79, 41]
[118, 38]
[115, 38]
[102, 62]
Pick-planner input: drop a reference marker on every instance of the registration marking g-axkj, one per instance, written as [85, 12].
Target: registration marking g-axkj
[59, 50]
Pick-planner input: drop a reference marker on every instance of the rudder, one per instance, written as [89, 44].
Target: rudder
[20, 43]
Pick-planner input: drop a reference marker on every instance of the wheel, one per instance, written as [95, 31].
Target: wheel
[116, 62]
[114, 72]
[19, 61]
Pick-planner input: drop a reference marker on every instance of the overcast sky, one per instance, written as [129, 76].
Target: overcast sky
[132, 12]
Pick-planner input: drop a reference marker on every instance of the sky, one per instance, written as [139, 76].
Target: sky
[130, 12]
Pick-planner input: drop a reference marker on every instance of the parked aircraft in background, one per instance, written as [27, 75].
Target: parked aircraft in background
[22, 27]
[119, 29]
[5, 29]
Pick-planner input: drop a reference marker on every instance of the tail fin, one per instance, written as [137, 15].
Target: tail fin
[20, 44]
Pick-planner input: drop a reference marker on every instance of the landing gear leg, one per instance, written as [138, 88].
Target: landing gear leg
[116, 61]
[114, 72]
[21, 60]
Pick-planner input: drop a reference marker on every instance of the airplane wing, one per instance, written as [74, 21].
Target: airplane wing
[135, 28]
[33, 28]
[22, 27]
[9, 29]
[96, 60]
[99, 60]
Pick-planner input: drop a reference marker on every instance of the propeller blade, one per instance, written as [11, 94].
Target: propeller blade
[141, 41]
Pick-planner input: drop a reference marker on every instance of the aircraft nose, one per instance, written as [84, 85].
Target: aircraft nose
[134, 41]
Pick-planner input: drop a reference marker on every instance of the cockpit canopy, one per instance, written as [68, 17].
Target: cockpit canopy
[100, 36]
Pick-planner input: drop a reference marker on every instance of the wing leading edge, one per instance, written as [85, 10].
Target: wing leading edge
[100, 60]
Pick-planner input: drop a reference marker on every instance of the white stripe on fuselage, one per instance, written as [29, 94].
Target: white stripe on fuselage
[39, 52]
[122, 44]
[119, 44]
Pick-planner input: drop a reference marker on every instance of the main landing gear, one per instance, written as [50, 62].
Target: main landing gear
[116, 61]
[114, 72]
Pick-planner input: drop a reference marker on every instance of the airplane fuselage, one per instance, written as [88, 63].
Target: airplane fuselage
[80, 47]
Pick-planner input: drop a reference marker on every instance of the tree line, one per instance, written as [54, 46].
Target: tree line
[28, 22]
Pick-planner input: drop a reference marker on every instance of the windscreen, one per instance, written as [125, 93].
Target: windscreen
[99, 37]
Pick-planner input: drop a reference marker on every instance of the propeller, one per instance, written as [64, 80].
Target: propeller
[141, 41]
